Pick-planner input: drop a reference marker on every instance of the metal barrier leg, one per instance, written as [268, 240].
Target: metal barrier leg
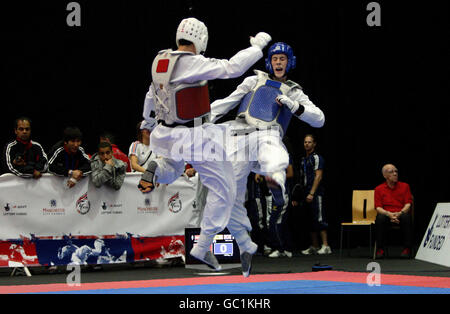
[20, 269]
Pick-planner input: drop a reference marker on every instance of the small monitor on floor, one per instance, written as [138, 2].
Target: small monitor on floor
[224, 247]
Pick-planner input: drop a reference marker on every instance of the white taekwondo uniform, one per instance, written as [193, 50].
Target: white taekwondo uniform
[217, 176]
[267, 156]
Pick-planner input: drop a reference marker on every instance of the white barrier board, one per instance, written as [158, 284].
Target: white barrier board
[45, 207]
[435, 246]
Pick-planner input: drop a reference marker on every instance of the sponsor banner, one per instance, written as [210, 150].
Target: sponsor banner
[84, 250]
[45, 207]
[154, 248]
[435, 246]
[21, 251]
[45, 223]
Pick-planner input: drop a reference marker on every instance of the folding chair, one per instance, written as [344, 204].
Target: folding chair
[363, 214]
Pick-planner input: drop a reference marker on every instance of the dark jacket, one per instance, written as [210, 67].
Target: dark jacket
[61, 161]
[31, 152]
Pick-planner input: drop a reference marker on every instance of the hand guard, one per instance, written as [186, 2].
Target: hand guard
[260, 40]
[293, 105]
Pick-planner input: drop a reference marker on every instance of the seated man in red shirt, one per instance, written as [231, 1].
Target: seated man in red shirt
[393, 202]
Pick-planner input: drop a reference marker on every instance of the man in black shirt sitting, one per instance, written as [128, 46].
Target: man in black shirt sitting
[68, 159]
[23, 157]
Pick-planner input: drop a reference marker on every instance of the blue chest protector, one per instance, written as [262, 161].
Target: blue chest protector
[259, 107]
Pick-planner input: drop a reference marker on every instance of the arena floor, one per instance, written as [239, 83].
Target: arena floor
[349, 274]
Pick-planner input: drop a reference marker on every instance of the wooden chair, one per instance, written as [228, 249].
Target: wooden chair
[363, 214]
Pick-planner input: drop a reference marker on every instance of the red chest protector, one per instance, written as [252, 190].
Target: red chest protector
[178, 103]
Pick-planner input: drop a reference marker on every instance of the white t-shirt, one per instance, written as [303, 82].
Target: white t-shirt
[142, 152]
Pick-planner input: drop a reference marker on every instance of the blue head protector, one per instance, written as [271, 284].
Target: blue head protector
[284, 49]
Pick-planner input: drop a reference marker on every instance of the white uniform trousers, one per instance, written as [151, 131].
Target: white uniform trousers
[216, 176]
[268, 156]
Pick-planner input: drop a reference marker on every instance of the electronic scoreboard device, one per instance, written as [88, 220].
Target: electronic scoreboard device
[224, 247]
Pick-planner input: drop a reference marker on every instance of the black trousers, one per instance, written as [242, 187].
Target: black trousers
[383, 223]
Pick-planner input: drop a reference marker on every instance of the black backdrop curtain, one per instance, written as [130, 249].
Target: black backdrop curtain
[383, 89]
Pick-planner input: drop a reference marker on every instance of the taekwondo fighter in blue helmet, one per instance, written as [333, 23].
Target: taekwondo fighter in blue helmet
[267, 102]
[179, 96]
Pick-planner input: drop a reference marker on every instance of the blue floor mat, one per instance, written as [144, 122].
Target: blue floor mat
[277, 287]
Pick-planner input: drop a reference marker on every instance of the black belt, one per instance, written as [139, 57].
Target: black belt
[243, 132]
[189, 124]
[251, 130]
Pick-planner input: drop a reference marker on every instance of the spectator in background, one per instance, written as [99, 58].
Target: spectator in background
[68, 158]
[280, 235]
[106, 169]
[139, 153]
[189, 171]
[258, 203]
[117, 153]
[309, 195]
[23, 157]
[393, 202]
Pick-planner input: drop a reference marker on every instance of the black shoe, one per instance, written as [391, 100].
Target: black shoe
[246, 261]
